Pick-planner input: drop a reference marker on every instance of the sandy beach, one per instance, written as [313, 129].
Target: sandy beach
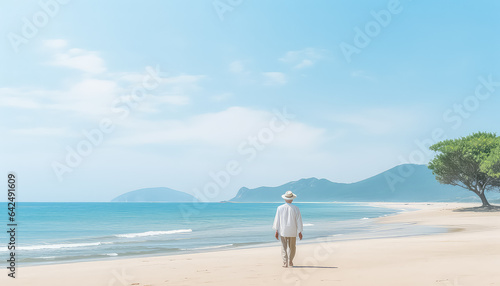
[466, 254]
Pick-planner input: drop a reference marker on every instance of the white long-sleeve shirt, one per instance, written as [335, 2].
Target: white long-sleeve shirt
[288, 221]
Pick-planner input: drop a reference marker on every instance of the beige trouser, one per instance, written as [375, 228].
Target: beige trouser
[290, 243]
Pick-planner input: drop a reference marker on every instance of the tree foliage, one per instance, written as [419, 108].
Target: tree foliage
[471, 162]
[491, 165]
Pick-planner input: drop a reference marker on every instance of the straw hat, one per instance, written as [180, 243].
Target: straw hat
[289, 195]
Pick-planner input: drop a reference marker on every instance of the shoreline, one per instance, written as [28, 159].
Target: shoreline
[434, 259]
[106, 246]
[355, 233]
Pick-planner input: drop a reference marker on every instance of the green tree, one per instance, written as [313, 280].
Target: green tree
[471, 162]
[491, 165]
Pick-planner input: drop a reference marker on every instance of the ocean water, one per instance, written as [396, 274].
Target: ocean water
[69, 232]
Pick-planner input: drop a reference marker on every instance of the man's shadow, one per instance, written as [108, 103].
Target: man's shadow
[310, 266]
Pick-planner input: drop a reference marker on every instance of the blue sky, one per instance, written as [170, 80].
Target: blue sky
[174, 91]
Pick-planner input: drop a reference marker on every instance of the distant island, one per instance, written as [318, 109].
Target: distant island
[155, 195]
[403, 183]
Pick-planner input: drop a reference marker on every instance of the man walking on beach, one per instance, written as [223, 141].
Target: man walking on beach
[288, 223]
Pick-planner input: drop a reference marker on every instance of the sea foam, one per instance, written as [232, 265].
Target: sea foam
[61, 245]
[212, 247]
[152, 233]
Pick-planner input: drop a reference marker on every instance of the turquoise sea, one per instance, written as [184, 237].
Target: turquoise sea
[69, 232]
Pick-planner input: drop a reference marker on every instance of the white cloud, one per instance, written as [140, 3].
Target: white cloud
[175, 99]
[174, 90]
[244, 75]
[379, 121]
[227, 128]
[88, 97]
[14, 98]
[220, 128]
[96, 92]
[55, 43]
[41, 131]
[93, 98]
[304, 63]
[274, 78]
[79, 59]
[182, 84]
[303, 58]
